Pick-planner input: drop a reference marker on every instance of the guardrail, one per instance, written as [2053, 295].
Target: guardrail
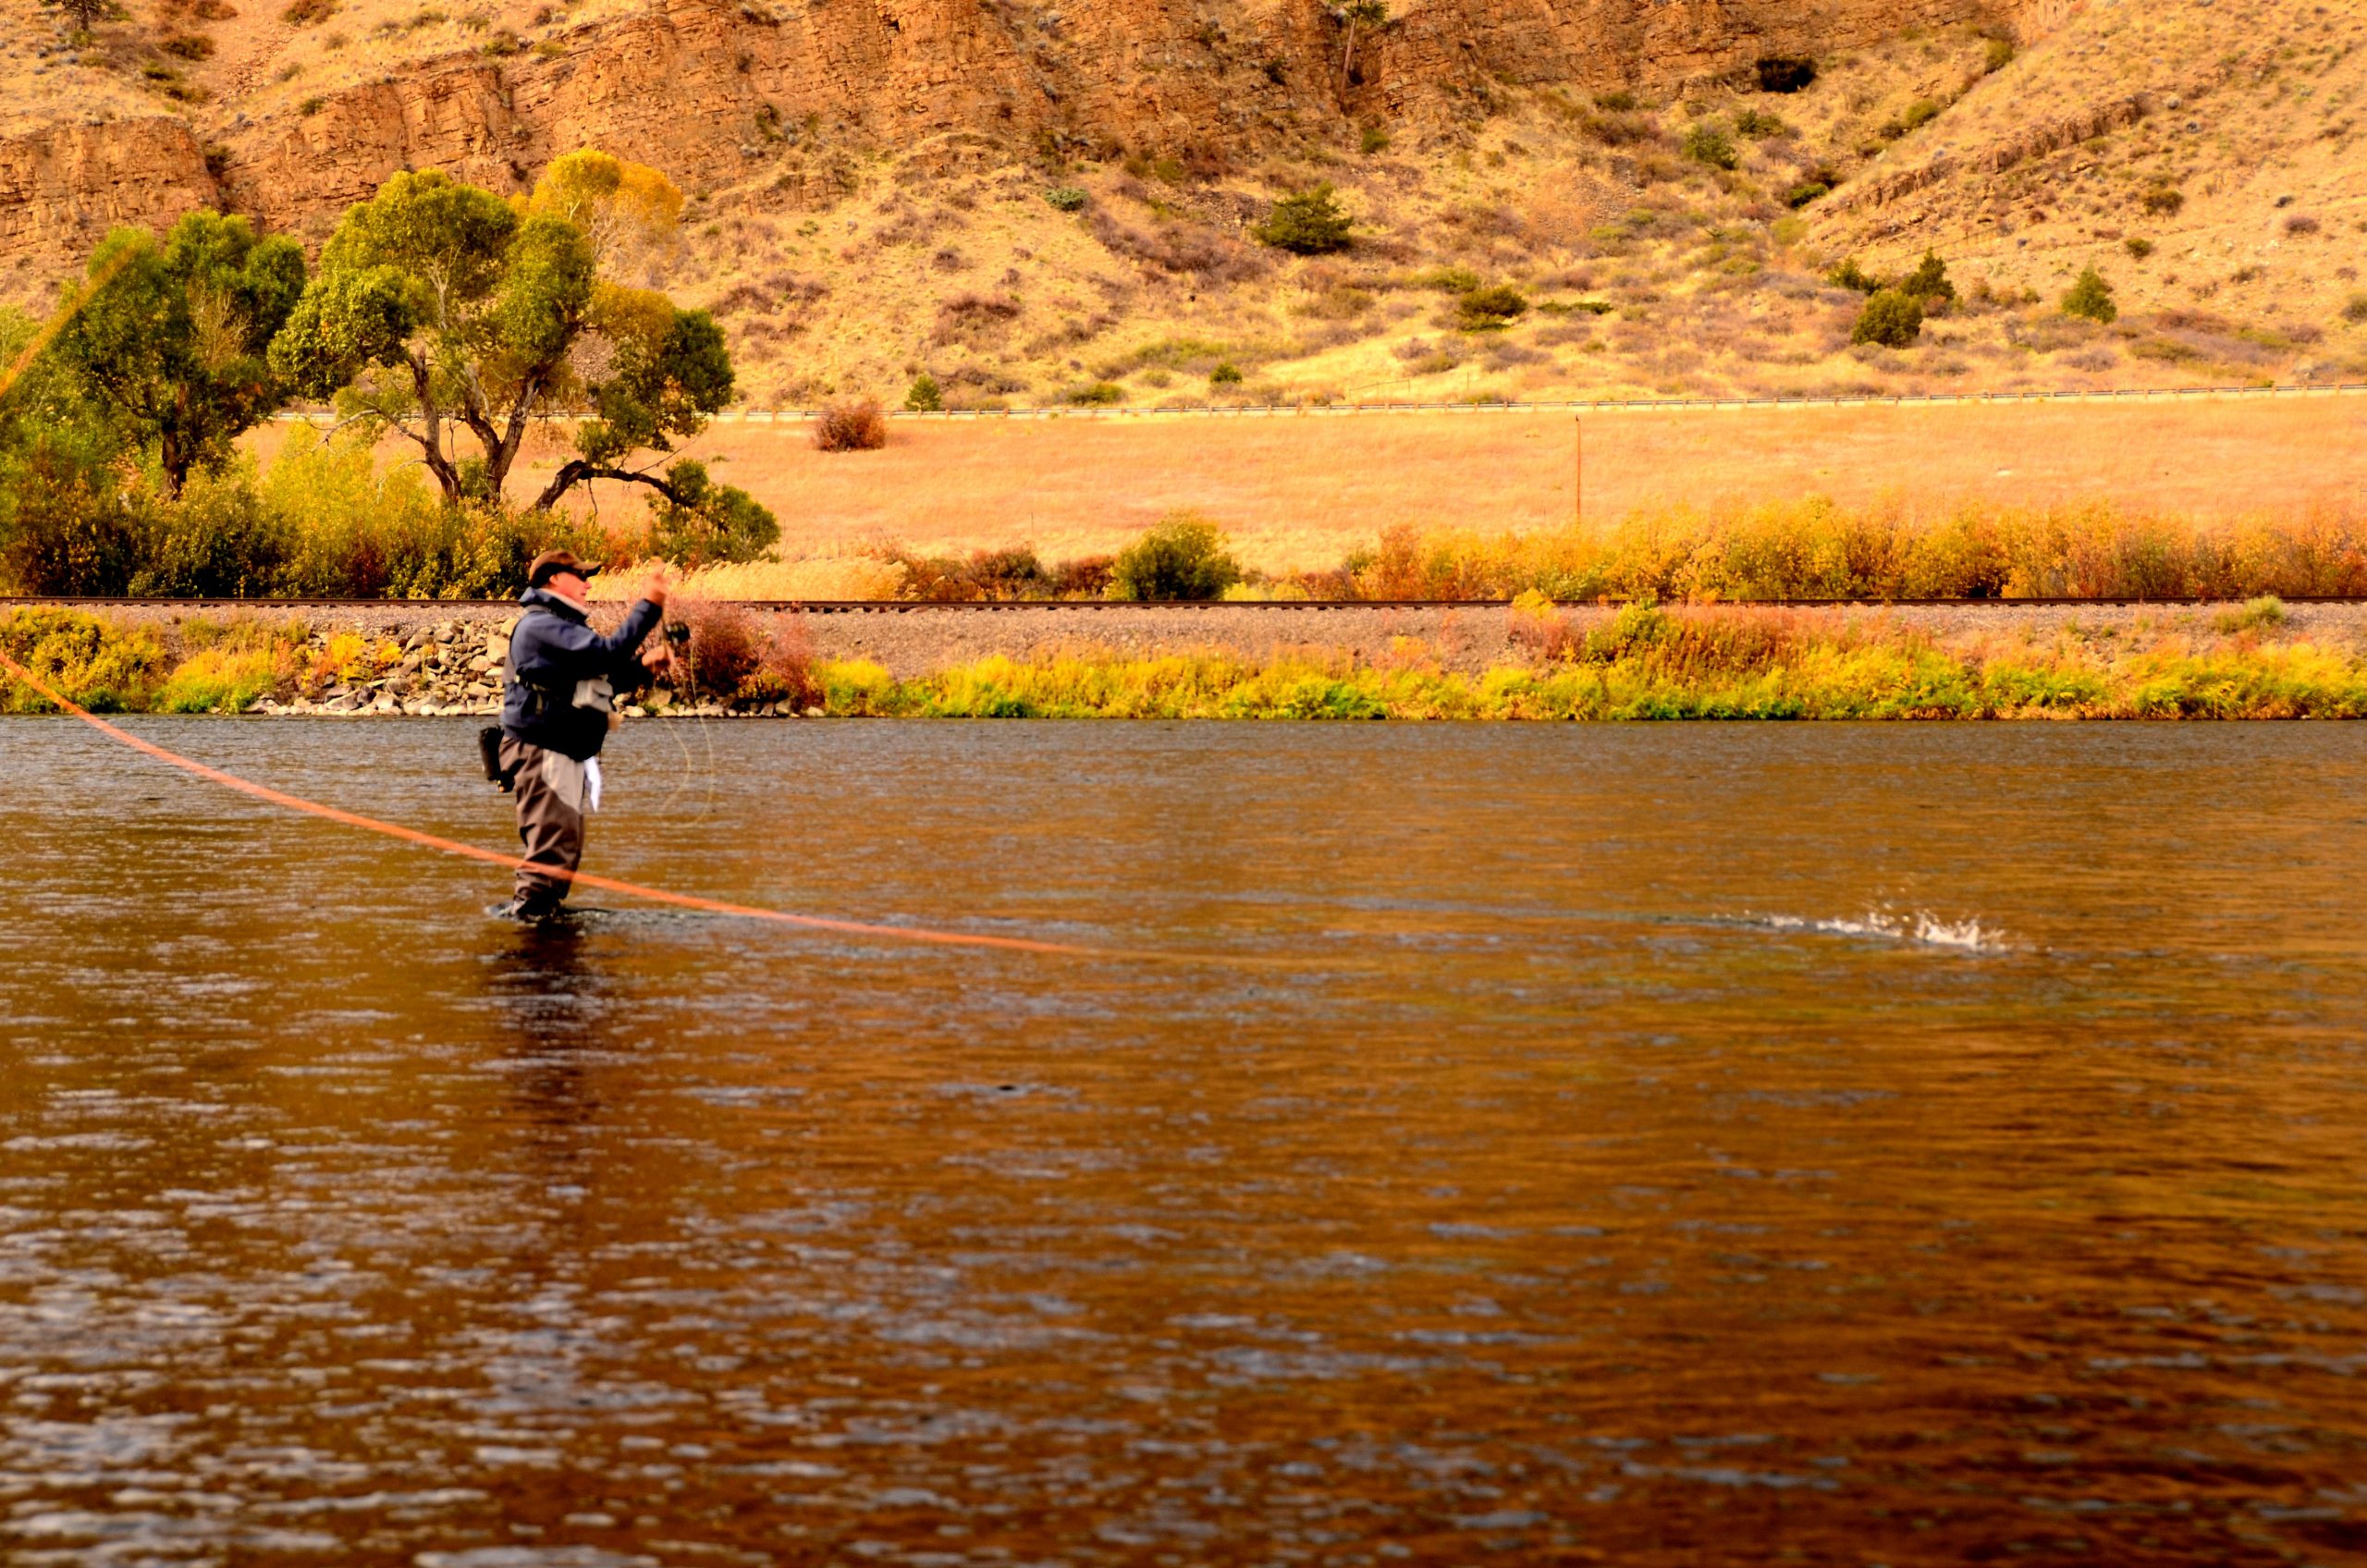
[1621, 405]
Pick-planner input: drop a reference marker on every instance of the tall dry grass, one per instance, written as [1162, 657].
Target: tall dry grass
[1895, 548]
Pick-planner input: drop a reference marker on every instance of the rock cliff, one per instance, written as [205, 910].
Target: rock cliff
[709, 90]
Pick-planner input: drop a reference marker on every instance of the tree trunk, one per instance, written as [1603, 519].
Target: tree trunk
[431, 443]
[174, 459]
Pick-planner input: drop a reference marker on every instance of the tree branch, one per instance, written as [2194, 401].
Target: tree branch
[576, 471]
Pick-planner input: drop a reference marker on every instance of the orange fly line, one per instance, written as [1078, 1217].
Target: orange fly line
[606, 884]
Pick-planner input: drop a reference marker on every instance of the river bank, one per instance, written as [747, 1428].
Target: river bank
[1531, 660]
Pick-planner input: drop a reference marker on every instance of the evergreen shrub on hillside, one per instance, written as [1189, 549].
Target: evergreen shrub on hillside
[1929, 281]
[1307, 223]
[2092, 297]
[1706, 142]
[1490, 309]
[1891, 318]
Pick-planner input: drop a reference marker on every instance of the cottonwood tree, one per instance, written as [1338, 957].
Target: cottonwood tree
[171, 339]
[446, 314]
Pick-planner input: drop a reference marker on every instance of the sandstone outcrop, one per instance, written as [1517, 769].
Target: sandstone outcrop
[714, 92]
[63, 187]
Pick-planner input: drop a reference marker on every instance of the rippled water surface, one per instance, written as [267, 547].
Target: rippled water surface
[1797, 1144]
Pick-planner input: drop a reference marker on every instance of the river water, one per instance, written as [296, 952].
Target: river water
[1558, 1145]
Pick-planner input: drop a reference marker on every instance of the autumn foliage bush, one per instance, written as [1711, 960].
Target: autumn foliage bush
[856, 426]
[735, 654]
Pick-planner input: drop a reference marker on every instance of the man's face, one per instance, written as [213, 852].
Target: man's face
[567, 585]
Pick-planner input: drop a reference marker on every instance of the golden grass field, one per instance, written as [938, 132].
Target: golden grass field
[1298, 492]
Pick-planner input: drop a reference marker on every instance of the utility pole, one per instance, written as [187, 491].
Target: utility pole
[1578, 471]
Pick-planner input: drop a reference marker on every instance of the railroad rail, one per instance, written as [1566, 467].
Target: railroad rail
[1005, 607]
[1509, 405]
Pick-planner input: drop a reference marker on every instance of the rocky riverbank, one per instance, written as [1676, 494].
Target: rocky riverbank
[442, 643]
[1535, 660]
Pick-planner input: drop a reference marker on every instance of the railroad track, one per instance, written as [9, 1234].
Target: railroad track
[1488, 406]
[1091, 607]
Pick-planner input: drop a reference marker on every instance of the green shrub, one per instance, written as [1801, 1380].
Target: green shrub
[102, 665]
[1490, 309]
[1094, 394]
[1849, 274]
[1066, 197]
[1446, 280]
[1800, 195]
[1891, 319]
[1706, 142]
[1226, 373]
[1617, 101]
[1999, 56]
[1752, 122]
[2137, 246]
[1373, 140]
[219, 680]
[2354, 310]
[1920, 113]
[1308, 223]
[218, 539]
[63, 527]
[1184, 558]
[2163, 199]
[2252, 615]
[2091, 297]
[925, 396]
[1928, 280]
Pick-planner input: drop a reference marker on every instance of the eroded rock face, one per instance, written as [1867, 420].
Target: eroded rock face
[714, 92]
[61, 189]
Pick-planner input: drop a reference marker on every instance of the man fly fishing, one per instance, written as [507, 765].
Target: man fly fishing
[555, 713]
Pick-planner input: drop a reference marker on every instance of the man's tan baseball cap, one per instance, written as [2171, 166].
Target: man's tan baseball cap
[550, 563]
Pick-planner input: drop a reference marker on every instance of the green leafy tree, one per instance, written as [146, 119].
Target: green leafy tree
[1307, 223]
[172, 343]
[1184, 558]
[64, 526]
[698, 523]
[2091, 297]
[1891, 318]
[442, 312]
[925, 396]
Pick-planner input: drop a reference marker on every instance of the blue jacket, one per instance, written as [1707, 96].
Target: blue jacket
[550, 651]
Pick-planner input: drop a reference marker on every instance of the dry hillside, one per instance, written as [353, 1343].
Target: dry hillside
[882, 191]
